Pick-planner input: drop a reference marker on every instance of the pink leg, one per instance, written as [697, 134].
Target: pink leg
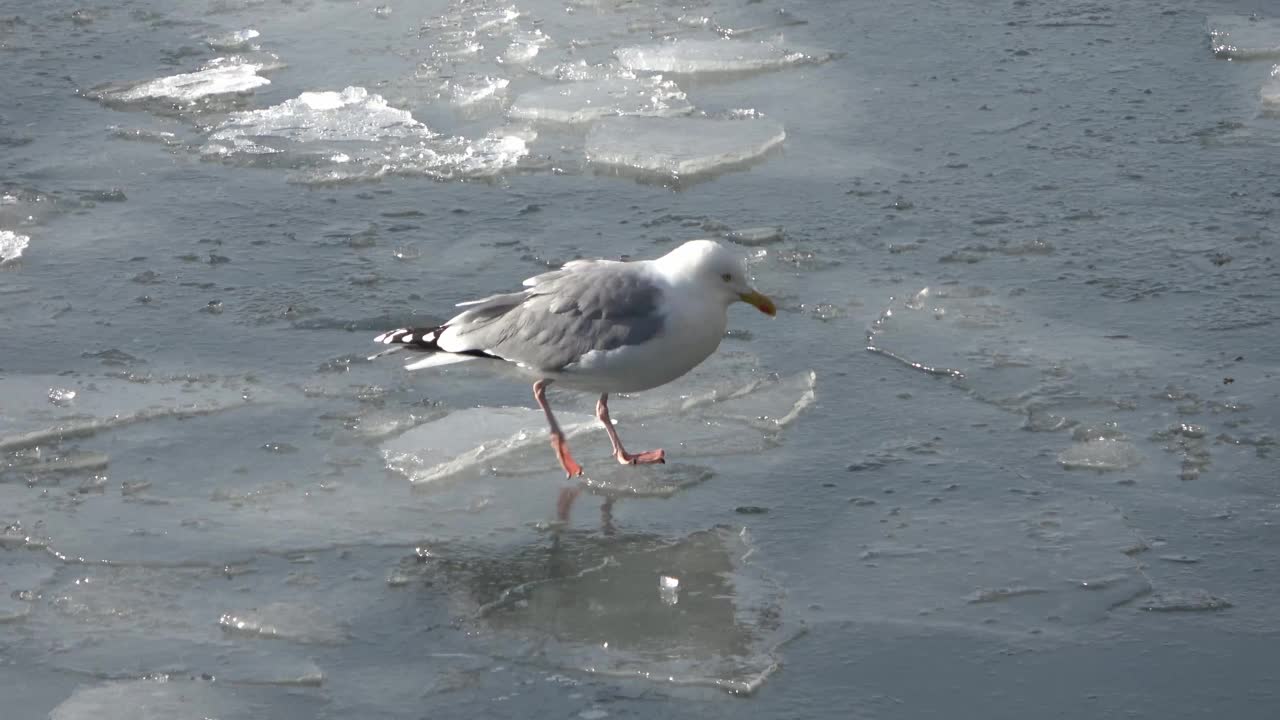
[557, 438]
[624, 457]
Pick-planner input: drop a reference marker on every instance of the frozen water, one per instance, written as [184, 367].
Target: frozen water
[478, 90]
[354, 114]
[525, 46]
[284, 621]
[1085, 267]
[221, 77]
[474, 437]
[1270, 91]
[29, 420]
[12, 245]
[1100, 454]
[355, 135]
[1243, 37]
[20, 583]
[693, 611]
[161, 699]
[235, 41]
[740, 416]
[755, 236]
[584, 101]
[680, 148]
[690, 57]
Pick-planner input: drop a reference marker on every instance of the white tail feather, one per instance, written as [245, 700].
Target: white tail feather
[438, 359]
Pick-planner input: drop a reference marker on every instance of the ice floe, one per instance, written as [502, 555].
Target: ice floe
[680, 148]
[1242, 37]
[12, 245]
[221, 77]
[1100, 454]
[233, 41]
[584, 101]
[354, 135]
[688, 611]
[740, 416]
[1270, 91]
[691, 57]
[158, 699]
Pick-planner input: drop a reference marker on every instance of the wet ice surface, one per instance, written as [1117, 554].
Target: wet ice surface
[352, 135]
[12, 245]
[692, 57]
[681, 148]
[221, 78]
[587, 100]
[1244, 37]
[1054, 223]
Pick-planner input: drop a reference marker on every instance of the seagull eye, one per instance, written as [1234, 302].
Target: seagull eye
[726, 277]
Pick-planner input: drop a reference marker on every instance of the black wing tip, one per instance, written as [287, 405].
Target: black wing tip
[411, 338]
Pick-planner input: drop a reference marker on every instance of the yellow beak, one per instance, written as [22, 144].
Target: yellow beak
[762, 302]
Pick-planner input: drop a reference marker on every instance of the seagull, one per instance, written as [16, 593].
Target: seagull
[600, 326]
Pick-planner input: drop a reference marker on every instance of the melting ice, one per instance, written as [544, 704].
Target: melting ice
[680, 147]
[581, 102]
[353, 135]
[689, 57]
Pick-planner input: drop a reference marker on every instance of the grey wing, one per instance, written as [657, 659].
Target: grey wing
[564, 315]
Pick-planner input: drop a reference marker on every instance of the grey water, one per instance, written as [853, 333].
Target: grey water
[1050, 490]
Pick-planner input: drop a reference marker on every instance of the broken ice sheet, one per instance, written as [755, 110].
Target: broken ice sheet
[22, 576]
[221, 77]
[1101, 454]
[355, 135]
[103, 403]
[122, 621]
[155, 699]
[12, 246]
[233, 41]
[680, 148]
[1039, 560]
[691, 57]
[741, 415]
[599, 605]
[587, 100]
[1044, 372]
[1270, 91]
[1242, 37]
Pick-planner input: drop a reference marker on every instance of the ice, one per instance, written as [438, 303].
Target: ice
[234, 42]
[12, 245]
[742, 416]
[469, 438]
[1193, 600]
[354, 114]
[584, 101]
[257, 621]
[1242, 37]
[477, 90]
[355, 135]
[220, 77]
[525, 46]
[754, 236]
[688, 57]
[284, 621]
[29, 420]
[22, 575]
[1103, 454]
[161, 699]
[688, 611]
[1270, 91]
[680, 148]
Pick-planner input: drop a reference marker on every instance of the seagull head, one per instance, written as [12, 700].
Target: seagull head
[712, 266]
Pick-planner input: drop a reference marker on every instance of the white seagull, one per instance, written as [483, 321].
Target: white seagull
[600, 326]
